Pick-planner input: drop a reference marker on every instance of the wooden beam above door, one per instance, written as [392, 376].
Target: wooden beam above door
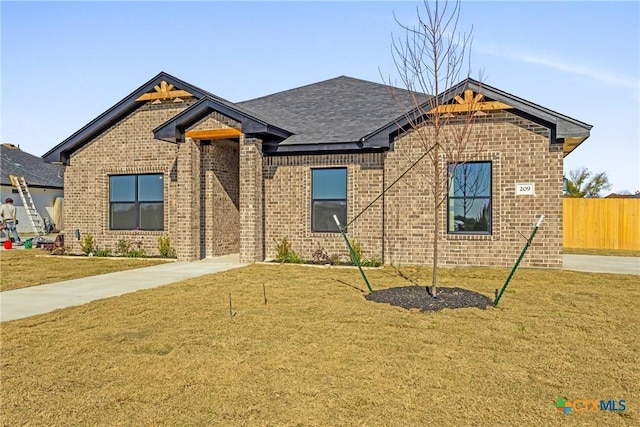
[224, 133]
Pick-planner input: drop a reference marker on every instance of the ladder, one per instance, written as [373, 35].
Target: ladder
[27, 201]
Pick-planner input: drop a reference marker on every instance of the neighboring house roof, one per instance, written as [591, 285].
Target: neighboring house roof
[622, 196]
[34, 169]
[338, 114]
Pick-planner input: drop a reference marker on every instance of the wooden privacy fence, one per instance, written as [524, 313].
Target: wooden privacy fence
[601, 223]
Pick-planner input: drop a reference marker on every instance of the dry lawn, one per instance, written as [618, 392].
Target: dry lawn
[24, 268]
[319, 354]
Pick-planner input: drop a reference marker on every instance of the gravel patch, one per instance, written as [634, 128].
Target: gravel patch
[417, 297]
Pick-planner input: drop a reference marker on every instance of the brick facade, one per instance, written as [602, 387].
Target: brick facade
[252, 213]
[287, 190]
[226, 196]
[201, 187]
[398, 229]
[520, 152]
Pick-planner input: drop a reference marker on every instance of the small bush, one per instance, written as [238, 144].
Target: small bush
[164, 247]
[123, 247]
[104, 252]
[88, 244]
[136, 253]
[357, 250]
[320, 256]
[373, 262]
[282, 249]
[284, 253]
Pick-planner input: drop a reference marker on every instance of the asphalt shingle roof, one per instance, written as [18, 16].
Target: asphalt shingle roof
[343, 109]
[34, 169]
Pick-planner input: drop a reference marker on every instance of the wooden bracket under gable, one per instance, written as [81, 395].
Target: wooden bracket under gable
[164, 91]
[470, 102]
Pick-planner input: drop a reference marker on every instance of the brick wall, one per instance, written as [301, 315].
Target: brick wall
[287, 195]
[520, 152]
[399, 227]
[200, 184]
[220, 198]
[251, 201]
[127, 147]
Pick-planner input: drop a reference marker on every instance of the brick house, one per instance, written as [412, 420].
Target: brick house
[219, 177]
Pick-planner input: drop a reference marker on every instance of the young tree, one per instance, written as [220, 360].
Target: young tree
[430, 59]
[583, 183]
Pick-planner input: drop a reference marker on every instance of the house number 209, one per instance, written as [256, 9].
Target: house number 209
[525, 189]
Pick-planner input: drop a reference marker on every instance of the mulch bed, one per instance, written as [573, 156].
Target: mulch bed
[417, 297]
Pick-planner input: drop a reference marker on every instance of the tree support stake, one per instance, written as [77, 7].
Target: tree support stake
[515, 267]
[353, 254]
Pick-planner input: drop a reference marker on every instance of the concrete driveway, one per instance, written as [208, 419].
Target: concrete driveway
[602, 264]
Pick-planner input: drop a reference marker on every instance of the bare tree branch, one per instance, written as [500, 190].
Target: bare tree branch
[429, 59]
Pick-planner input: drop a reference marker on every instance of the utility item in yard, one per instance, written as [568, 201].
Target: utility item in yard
[27, 201]
[524, 250]
[355, 259]
[49, 244]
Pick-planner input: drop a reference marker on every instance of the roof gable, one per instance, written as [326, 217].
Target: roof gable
[564, 128]
[338, 114]
[252, 123]
[62, 151]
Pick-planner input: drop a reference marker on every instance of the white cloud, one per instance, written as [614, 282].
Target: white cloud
[573, 68]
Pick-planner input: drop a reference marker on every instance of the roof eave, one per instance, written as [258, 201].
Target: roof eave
[563, 126]
[62, 151]
[173, 129]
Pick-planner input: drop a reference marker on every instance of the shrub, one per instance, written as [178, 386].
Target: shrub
[357, 250]
[103, 252]
[320, 256]
[123, 247]
[284, 253]
[136, 253]
[164, 247]
[373, 262]
[335, 259]
[88, 244]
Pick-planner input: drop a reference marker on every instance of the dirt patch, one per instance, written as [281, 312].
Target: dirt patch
[417, 297]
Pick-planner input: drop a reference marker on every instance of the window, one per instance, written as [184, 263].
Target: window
[136, 202]
[328, 198]
[470, 198]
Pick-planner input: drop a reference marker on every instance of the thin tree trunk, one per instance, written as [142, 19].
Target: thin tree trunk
[436, 221]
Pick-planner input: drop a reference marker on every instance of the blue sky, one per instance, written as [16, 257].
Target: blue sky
[64, 63]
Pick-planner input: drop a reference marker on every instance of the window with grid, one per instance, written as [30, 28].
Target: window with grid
[328, 198]
[136, 202]
[469, 198]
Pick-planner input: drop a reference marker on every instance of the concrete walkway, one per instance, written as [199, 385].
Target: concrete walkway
[602, 264]
[21, 303]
